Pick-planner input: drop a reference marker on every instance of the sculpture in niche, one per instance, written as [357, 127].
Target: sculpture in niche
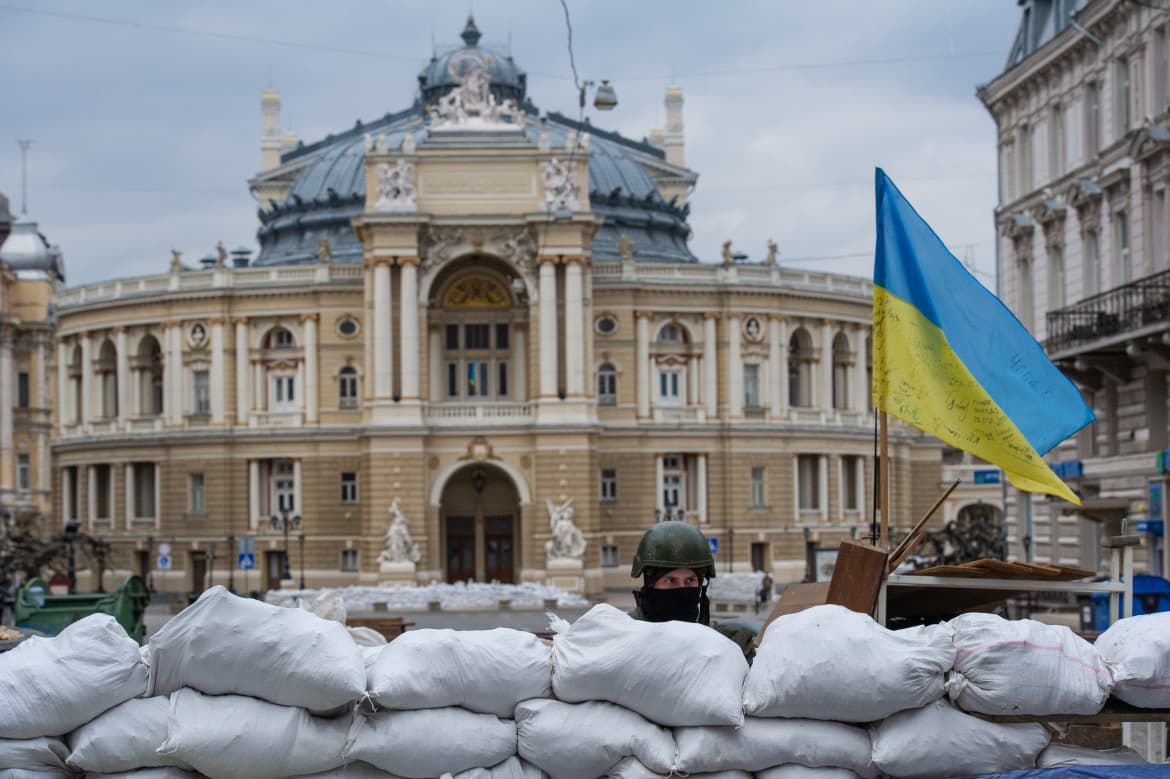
[560, 191]
[437, 245]
[395, 187]
[400, 547]
[471, 104]
[567, 541]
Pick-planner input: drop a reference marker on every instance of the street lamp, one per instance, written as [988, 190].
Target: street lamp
[283, 521]
[301, 541]
[72, 528]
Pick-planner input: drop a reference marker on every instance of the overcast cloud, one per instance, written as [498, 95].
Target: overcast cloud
[144, 138]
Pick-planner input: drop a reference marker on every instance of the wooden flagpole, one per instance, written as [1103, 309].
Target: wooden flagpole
[884, 475]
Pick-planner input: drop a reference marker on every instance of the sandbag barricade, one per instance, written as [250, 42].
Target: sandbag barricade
[43, 758]
[149, 773]
[672, 673]
[632, 768]
[427, 743]
[37, 698]
[1137, 651]
[766, 743]
[125, 738]
[830, 663]
[512, 768]
[802, 772]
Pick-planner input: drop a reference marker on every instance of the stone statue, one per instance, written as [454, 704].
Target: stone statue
[408, 143]
[400, 547]
[567, 540]
[728, 258]
[471, 104]
[176, 260]
[626, 247]
[560, 191]
[324, 250]
[368, 141]
[395, 187]
[773, 253]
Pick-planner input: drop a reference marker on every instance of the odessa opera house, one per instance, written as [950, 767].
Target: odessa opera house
[490, 315]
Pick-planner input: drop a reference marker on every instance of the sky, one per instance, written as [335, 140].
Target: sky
[145, 116]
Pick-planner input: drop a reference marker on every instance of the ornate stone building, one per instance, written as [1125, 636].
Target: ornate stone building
[492, 316]
[1084, 261]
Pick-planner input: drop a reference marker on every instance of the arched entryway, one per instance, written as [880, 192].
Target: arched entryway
[479, 518]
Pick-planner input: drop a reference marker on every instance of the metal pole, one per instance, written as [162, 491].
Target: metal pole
[287, 572]
[231, 568]
[301, 540]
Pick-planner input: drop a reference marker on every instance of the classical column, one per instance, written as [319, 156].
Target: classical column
[574, 329]
[710, 365]
[91, 495]
[777, 366]
[215, 376]
[694, 380]
[827, 365]
[643, 363]
[383, 331]
[434, 365]
[253, 492]
[66, 496]
[130, 494]
[65, 404]
[7, 449]
[734, 367]
[548, 327]
[243, 393]
[823, 484]
[312, 394]
[408, 311]
[123, 375]
[701, 487]
[519, 362]
[174, 372]
[658, 473]
[297, 502]
[86, 380]
[259, 386]
[861, 389]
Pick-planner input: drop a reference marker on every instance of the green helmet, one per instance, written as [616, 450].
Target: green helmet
[674, 544]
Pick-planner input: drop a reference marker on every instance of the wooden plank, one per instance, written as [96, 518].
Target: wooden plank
[950, 570]
[857, 577]
[1114, 711]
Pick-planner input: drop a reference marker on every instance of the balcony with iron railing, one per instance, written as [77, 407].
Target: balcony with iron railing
[1132, 310]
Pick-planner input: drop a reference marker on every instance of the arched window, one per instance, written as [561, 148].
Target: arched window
[842, 358]
[107, 380]
[607, 385]
[279, 338]
[800, 369]
[347, 387]
[671, 334]
[149, 366]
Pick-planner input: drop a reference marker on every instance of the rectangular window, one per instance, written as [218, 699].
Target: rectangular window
[452, 337]
[1122, 97]
[502, 379]
[349, 560]
[1025, 292]
[476, 336]
[1158, 259]
[1024, 176]
[349, 487]
[1121, 246]
[144, 503]
[69, 499]
[808, 483]
[198, 501]
[850, 483]
[758, 497]
[751, 385]
[609, 556]
[609, 483]
[1055, 279]
[669, 388]
[284, 393]
[607, 386]
[1092, 261]
[201, 381]
[1160, 71]
[23, 479]
[22, 390]
[1092, 118]
[347, 388]
[452, 380]
[477, 379]
[501, 336]
[1056, 142]
[104, 491]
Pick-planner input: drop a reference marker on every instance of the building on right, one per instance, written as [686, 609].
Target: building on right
[1083, 256]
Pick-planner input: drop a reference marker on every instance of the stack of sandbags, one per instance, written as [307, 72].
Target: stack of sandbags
[125, 738]
[1025, 667]
[34, 758]
[443, 701]
[1137, 651]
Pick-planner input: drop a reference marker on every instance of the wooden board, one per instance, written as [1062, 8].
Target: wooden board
[390, 627]
[1007, 570]
[857, 577]
[951, 570]
[1114, 711]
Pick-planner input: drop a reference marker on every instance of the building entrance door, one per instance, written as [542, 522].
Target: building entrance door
[480, 518]
[498, 552]
[460, 549]
[198, 572]
[273, 569]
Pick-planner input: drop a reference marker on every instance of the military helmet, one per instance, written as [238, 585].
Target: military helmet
[674, 544]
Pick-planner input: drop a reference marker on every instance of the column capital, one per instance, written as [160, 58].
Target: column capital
[712, 315]
[735, 315]
[239, 320]
[404, 261]
[781, 318]
[215, 320]
[60, 340]
[119, 329]
[546, 259]
[170, 324]
[373, 261]
[310, 317]
[643, 315]
[575, 260]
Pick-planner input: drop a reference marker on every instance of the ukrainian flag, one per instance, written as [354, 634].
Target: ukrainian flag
[950, 359]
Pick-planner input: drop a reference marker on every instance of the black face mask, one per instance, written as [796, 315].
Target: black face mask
[684, 604]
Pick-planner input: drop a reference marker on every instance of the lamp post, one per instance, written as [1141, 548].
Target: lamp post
[301, 542]
[72, 528]
[283, 521]
[231, 563]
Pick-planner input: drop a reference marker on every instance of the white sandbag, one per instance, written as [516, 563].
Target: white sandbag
[1024, 667]
[803, 772]
[939, 740]
[1056, 755]
[24, 773]
[632, 768]
[1137, 651]
[327, 605]
[223, 644]
[125, 738]
[351, 771]
[672, 673]
[585, 740]
[169, 772]
[813, 664]
[42, 754]
[430, 742]
[233, 737]
[512, 768]
[488, 671]
[41, 699]
[366, 637]
[763, 743]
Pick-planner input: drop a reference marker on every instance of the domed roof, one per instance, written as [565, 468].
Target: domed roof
[26, 250]
[439, 75]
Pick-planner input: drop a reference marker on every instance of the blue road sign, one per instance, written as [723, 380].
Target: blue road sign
[164, 562]
[1149, 526]
[246, 561]
[990, 476]
[713, 542]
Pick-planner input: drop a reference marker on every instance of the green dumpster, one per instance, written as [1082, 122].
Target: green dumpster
[37, 609]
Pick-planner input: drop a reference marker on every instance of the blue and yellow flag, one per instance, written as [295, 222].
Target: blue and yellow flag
[950, 359]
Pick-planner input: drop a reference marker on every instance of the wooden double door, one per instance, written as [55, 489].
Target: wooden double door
[481, 547]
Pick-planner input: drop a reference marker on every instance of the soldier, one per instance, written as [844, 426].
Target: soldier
[675, 563]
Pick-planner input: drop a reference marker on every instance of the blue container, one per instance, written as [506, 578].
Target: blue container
[1151, 594]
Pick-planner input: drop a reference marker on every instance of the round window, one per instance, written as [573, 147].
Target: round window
[348, 327]
[606, 325]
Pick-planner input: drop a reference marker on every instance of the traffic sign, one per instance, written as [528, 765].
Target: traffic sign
[246, 561]
[164, 549]
[713, 542]
[989, 476]
[164, 562]
[1149, 526]
[248, 545]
